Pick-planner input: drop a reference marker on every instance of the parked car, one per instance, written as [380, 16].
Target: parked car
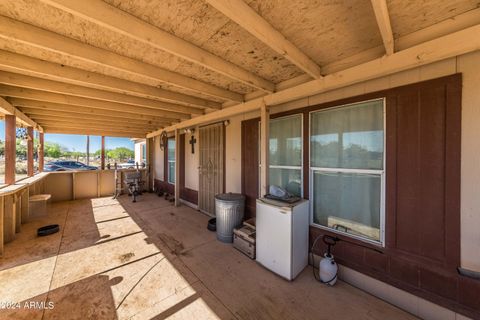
[67, 166]
[130, 164]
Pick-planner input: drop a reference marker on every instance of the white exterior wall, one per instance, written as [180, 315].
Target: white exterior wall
[138, 150]
[191, 162]
[469, 65]
[159, 159]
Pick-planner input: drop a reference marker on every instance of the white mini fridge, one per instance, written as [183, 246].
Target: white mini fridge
[282, 236]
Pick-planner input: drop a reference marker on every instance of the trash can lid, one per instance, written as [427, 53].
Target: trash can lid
[230, 197]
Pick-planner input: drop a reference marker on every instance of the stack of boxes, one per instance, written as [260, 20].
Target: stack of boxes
[244, 238]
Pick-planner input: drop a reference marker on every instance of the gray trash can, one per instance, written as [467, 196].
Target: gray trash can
[229, 211]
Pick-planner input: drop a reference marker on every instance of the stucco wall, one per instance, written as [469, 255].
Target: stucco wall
[159, 159]
[469, 65]
[191, 162]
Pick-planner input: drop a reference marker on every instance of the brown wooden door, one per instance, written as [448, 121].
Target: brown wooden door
[212, 166]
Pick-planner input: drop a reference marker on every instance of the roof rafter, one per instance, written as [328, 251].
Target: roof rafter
[383, 20]
[95, 132]
[445, 27]
[27, 106]
[119, 21]
[96, 126]
[241, 13]
[17, 31]
[86, 102]
[22, 64]
[70, 116]
[7, 108]
[23, 81]
[98, 121]
[460, 42]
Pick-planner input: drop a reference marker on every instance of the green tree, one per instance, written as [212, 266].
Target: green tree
[120, 154]
[53, 150]
[21, 149]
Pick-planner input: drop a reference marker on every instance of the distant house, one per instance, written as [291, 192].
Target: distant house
[140, 148]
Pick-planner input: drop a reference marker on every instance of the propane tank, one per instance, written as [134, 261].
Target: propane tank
[328, 269]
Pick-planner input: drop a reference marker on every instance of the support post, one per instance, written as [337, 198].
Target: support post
[149, 162]
[41, 153]
[10, 148]
[177, 167]
[264, 147]
[2, 221]
[88, 150]
[102, 154]
[30, 170]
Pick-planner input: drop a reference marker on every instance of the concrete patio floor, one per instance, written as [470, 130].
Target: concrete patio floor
[122, 260]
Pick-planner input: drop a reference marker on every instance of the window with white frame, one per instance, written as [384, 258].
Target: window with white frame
[171, 160]
[285, 156]
[347, 166]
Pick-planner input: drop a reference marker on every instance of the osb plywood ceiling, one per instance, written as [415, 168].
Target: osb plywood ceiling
[169, 60]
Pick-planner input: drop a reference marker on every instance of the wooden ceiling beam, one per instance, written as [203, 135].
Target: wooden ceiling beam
[36, 113]
[126, 24]
[7, 108]
[20, 32]
[28, 106]
[462, 21]
[455, 44]
[242, 14]
[19, 80]
[18, 63]
[94, 132]
[99, 122]
[95, 126]
[85, 102]
[47, 124]
[383, 20]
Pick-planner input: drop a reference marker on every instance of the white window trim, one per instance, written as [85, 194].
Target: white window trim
[300, 167]
[381, 173]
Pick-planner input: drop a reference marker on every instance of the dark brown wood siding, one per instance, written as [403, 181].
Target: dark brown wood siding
[250, 169]
[422, 247]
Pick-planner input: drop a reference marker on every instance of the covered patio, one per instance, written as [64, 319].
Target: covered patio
[365, 111]
[152, 260]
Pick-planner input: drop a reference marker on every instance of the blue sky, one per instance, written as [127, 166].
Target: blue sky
[78, 142]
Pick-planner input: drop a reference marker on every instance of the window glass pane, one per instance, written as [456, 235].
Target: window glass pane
[171, 160]
[348, 202]
[286, 141]
[348, 137]
[171, 172]
[289, 179]
[171, 149]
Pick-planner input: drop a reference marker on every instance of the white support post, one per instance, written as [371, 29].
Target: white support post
[177, 167]
[264, 148]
